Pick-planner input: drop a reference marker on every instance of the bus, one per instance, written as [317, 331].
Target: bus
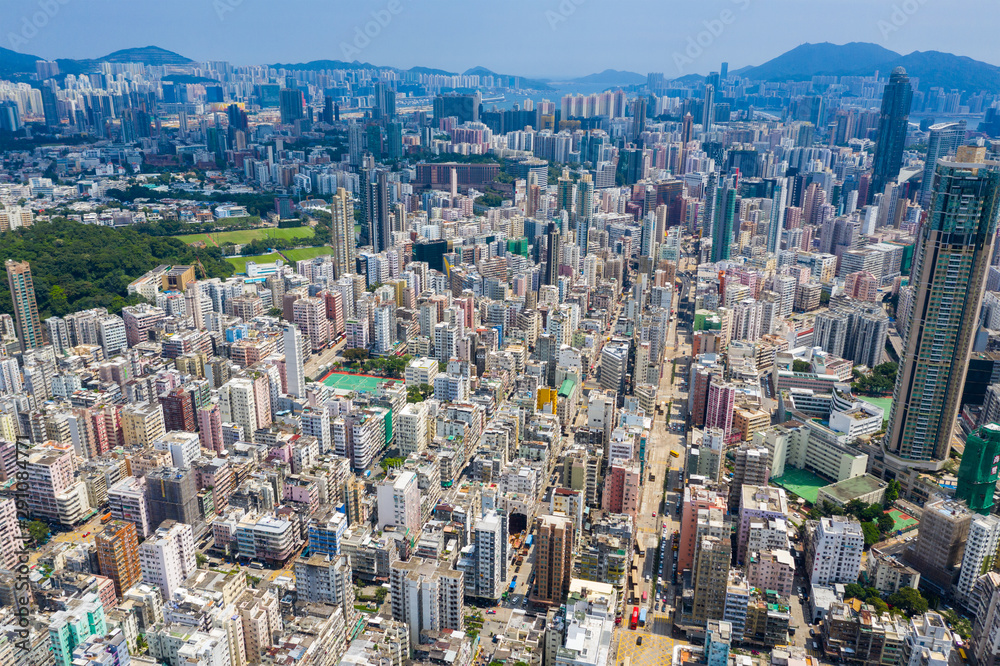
[642, 618]
[674, 454]
[634, 622]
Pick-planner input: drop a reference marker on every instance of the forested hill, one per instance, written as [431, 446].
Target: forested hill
[77, 266]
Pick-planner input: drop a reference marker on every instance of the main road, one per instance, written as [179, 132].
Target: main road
[666, 437]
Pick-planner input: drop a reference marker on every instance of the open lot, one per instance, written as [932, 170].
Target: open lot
[243, 236]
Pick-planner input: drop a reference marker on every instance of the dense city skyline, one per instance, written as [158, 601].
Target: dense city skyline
[558, 35]
[350, 364]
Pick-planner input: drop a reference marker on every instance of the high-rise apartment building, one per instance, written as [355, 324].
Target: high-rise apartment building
[22, 294]
[553, 558]
[484, 561]
[128, 502]
[752, 466]
[342, 233]
[167, 557]
[118, 555]
[892, 125]
[979, 556]
[833, 550]
[949, 270]
[294, 364]
[943, 139]
[709, 576]
[399, 503]
[10, 534]
[426, 595]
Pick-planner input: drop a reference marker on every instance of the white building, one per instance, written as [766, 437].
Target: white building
[421, 371]
[184, 447]
[413, 435]
[10, 534]
[236, 399]
[399, 502]
[833, 550]
[980, 548]
[484, 561]
[295, 373]
[426, 595]
[128, 502]
[167, 558]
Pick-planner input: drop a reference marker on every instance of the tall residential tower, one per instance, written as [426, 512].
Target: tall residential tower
[949, 271]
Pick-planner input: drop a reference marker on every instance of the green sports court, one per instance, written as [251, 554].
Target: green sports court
[903, 521]
[804, 484]
[345, 381]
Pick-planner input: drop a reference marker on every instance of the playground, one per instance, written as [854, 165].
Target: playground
[904, 521]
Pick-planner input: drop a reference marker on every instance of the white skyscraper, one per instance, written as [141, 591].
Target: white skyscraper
[294, 366]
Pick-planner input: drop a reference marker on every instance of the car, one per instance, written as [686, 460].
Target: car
[491, 612]
[654, 514]
[815, 646]
[638, 641]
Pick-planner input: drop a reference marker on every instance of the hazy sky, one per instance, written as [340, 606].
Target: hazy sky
[544, 38]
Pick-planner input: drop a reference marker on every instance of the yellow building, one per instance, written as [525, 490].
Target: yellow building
[748, 420]
[546, 400]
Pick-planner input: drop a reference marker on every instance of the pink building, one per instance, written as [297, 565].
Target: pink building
[772, 570]
[335, 312]
[719, 406]
[758, 504]
[861, 285]
[139, 320]
[310, 315]
[621, 489]
[210, 427]
[695, 499]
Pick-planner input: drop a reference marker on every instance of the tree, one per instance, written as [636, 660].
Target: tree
[892, 492]
[39, 532]
[800, 366]
[854, 591]
[854, 508]
[356, 354]
[872, 535]
[201, 560]
[877, 603]
[909, 601]
[871, 512]
[885, 523]
[58, 300]
[274, 312]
